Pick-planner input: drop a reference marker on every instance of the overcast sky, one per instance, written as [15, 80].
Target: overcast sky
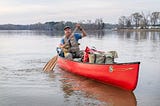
[33, 11]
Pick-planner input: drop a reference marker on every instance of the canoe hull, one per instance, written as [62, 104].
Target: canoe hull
[123, 75]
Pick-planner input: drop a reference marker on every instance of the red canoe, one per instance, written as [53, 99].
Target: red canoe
[123, 75]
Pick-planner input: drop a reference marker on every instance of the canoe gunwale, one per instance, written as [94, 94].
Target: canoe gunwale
[137, 62]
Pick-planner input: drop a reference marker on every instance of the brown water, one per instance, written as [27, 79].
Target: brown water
[23, 83]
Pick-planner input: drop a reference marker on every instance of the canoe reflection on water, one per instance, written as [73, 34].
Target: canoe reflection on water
[106, 94]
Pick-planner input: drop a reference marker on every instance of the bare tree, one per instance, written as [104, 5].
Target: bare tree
[154, 18]
[128, 22]
[144, 20]
[136, 17]
[100, 24]
[122, 21]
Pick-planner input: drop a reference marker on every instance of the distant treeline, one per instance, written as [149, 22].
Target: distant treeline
[98, 24]
[140, 20]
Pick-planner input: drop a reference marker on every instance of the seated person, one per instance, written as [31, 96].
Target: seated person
[69, 43]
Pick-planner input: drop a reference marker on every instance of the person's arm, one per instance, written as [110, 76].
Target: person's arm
[82, 30]
[63, 45]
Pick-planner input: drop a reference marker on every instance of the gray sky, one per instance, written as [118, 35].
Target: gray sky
[33, 11]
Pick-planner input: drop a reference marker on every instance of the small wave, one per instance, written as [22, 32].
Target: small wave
[3, 68]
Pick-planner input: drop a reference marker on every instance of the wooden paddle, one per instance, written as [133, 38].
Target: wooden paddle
[51, 64]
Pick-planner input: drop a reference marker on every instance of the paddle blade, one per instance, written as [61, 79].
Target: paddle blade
[51, 64]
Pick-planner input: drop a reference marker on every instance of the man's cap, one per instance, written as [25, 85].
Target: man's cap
[67, 27]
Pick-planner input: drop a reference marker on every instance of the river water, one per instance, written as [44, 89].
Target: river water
[23, 54]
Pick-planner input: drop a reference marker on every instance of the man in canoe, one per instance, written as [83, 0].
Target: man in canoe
[69, 43]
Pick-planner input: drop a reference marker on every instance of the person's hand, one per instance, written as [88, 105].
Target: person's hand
[78, 26]
[66, 46]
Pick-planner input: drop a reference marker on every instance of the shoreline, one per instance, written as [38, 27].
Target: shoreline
[138, 30]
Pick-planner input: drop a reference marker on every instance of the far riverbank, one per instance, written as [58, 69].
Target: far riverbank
[139, 30]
